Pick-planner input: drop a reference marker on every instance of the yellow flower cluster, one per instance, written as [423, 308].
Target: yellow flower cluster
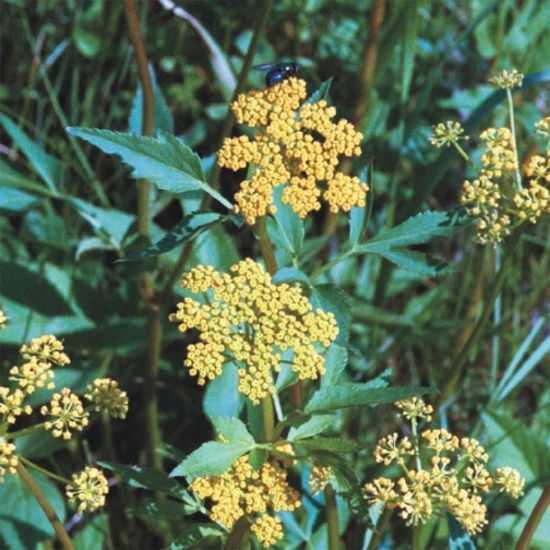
[106, 396]
[494, 199]
[453, 481]
[244, 490]
[66, 413]
[11, 405]
[507, 79]
[542, 127]
[46, 348]
[3, 319]
[415, 408]
[447, 134]
[8, 459]
[245, 318]
[298, 146]
[319, 478]
[88, 488]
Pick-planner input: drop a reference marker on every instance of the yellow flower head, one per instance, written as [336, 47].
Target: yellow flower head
[500, 154]
[447, 133]
[440, 440]
[389, 449]
[319, 478]
[380, 491]
[11, 404]
[415, 408]
[507, 79]
[268, 529]
[509, 481]
[4, 319]
[542, 127]
[296, 146]
[8, 459]
[105, 395]
[45, 348]
[66, 412]
[88, 488]
[245, 318]
[244, 490]
[32, 375]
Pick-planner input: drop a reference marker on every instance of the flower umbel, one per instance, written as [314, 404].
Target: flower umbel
[319, 478]
[32, 375]
[4, 319]
[507, 79]
[244, 490]
[105, 395]
[46, 348]
[66, 412]
[88, 488]
[11, 404]
[298, 146]
[8, 459]
[447, 133]
[245, 318]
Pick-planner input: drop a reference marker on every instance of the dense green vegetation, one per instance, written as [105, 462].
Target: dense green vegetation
[94, 257]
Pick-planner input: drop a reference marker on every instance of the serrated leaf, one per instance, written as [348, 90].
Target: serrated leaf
[46, 166]
[336, 360]
[194, 536]
[352, 395]
[162, 117]
[190, 227]
[233, 430]
[210, 459]
[315, 425]
[334, 444]
[331, 298]
[222, 397]
[415, 262]
[164, 160]
[419, 229]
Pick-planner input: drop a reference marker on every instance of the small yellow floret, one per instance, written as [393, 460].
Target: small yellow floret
[88, 488]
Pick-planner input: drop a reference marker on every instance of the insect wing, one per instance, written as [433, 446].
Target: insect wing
[265, 67]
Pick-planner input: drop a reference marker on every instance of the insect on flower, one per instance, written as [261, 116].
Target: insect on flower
[277, 72]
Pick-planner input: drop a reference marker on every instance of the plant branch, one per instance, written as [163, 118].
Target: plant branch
[534, 520]
[62, 535]
[332, 518]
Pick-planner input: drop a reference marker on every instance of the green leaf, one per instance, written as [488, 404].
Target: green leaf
[410, 15]
[321, 92]
[331, 298]
[351, 395]
[23, 523]
[315, 425]
[415, 262]
[336, 360]
[195, 536]
[190, 227]
[233, 430]
[112, 223]
[419, 229]
[291, 275]
[334, 444]
[286, 227]
[210, 459]
[16, 201]
[46, 166]
[162, 117]
[93, 535]
[164, 160]
[458, 538]
[31, 289]
[222, 397]
[144, 478]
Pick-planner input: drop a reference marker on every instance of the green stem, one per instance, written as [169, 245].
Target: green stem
[416, 447]
[332, 518]
[514, 140]
[24, 431]
[459, 363]
[534, 520]
[154, 324]
[62, 535]
[416, 537]
[268, 418]
[43, 471]
[497, 318]
[461, 151]
[266, 247]
[379, 529]
[237, 534]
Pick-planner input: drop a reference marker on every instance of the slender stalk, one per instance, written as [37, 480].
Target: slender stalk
[497, 318]
[514, 140]
[43, 471]
[332, 518]
[415, 441]
[268, 418]
[24, 431]
[461, 151]
[62, 535]
[154, 324]
[266, 247]
[379, 529]
[416, 538]
[534, 520]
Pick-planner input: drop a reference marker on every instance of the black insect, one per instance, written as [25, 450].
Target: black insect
[277, 72]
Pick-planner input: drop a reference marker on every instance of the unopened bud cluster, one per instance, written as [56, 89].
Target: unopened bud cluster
[295, 145]
[244, 318]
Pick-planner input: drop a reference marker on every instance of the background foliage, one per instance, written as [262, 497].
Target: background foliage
[68, 219]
